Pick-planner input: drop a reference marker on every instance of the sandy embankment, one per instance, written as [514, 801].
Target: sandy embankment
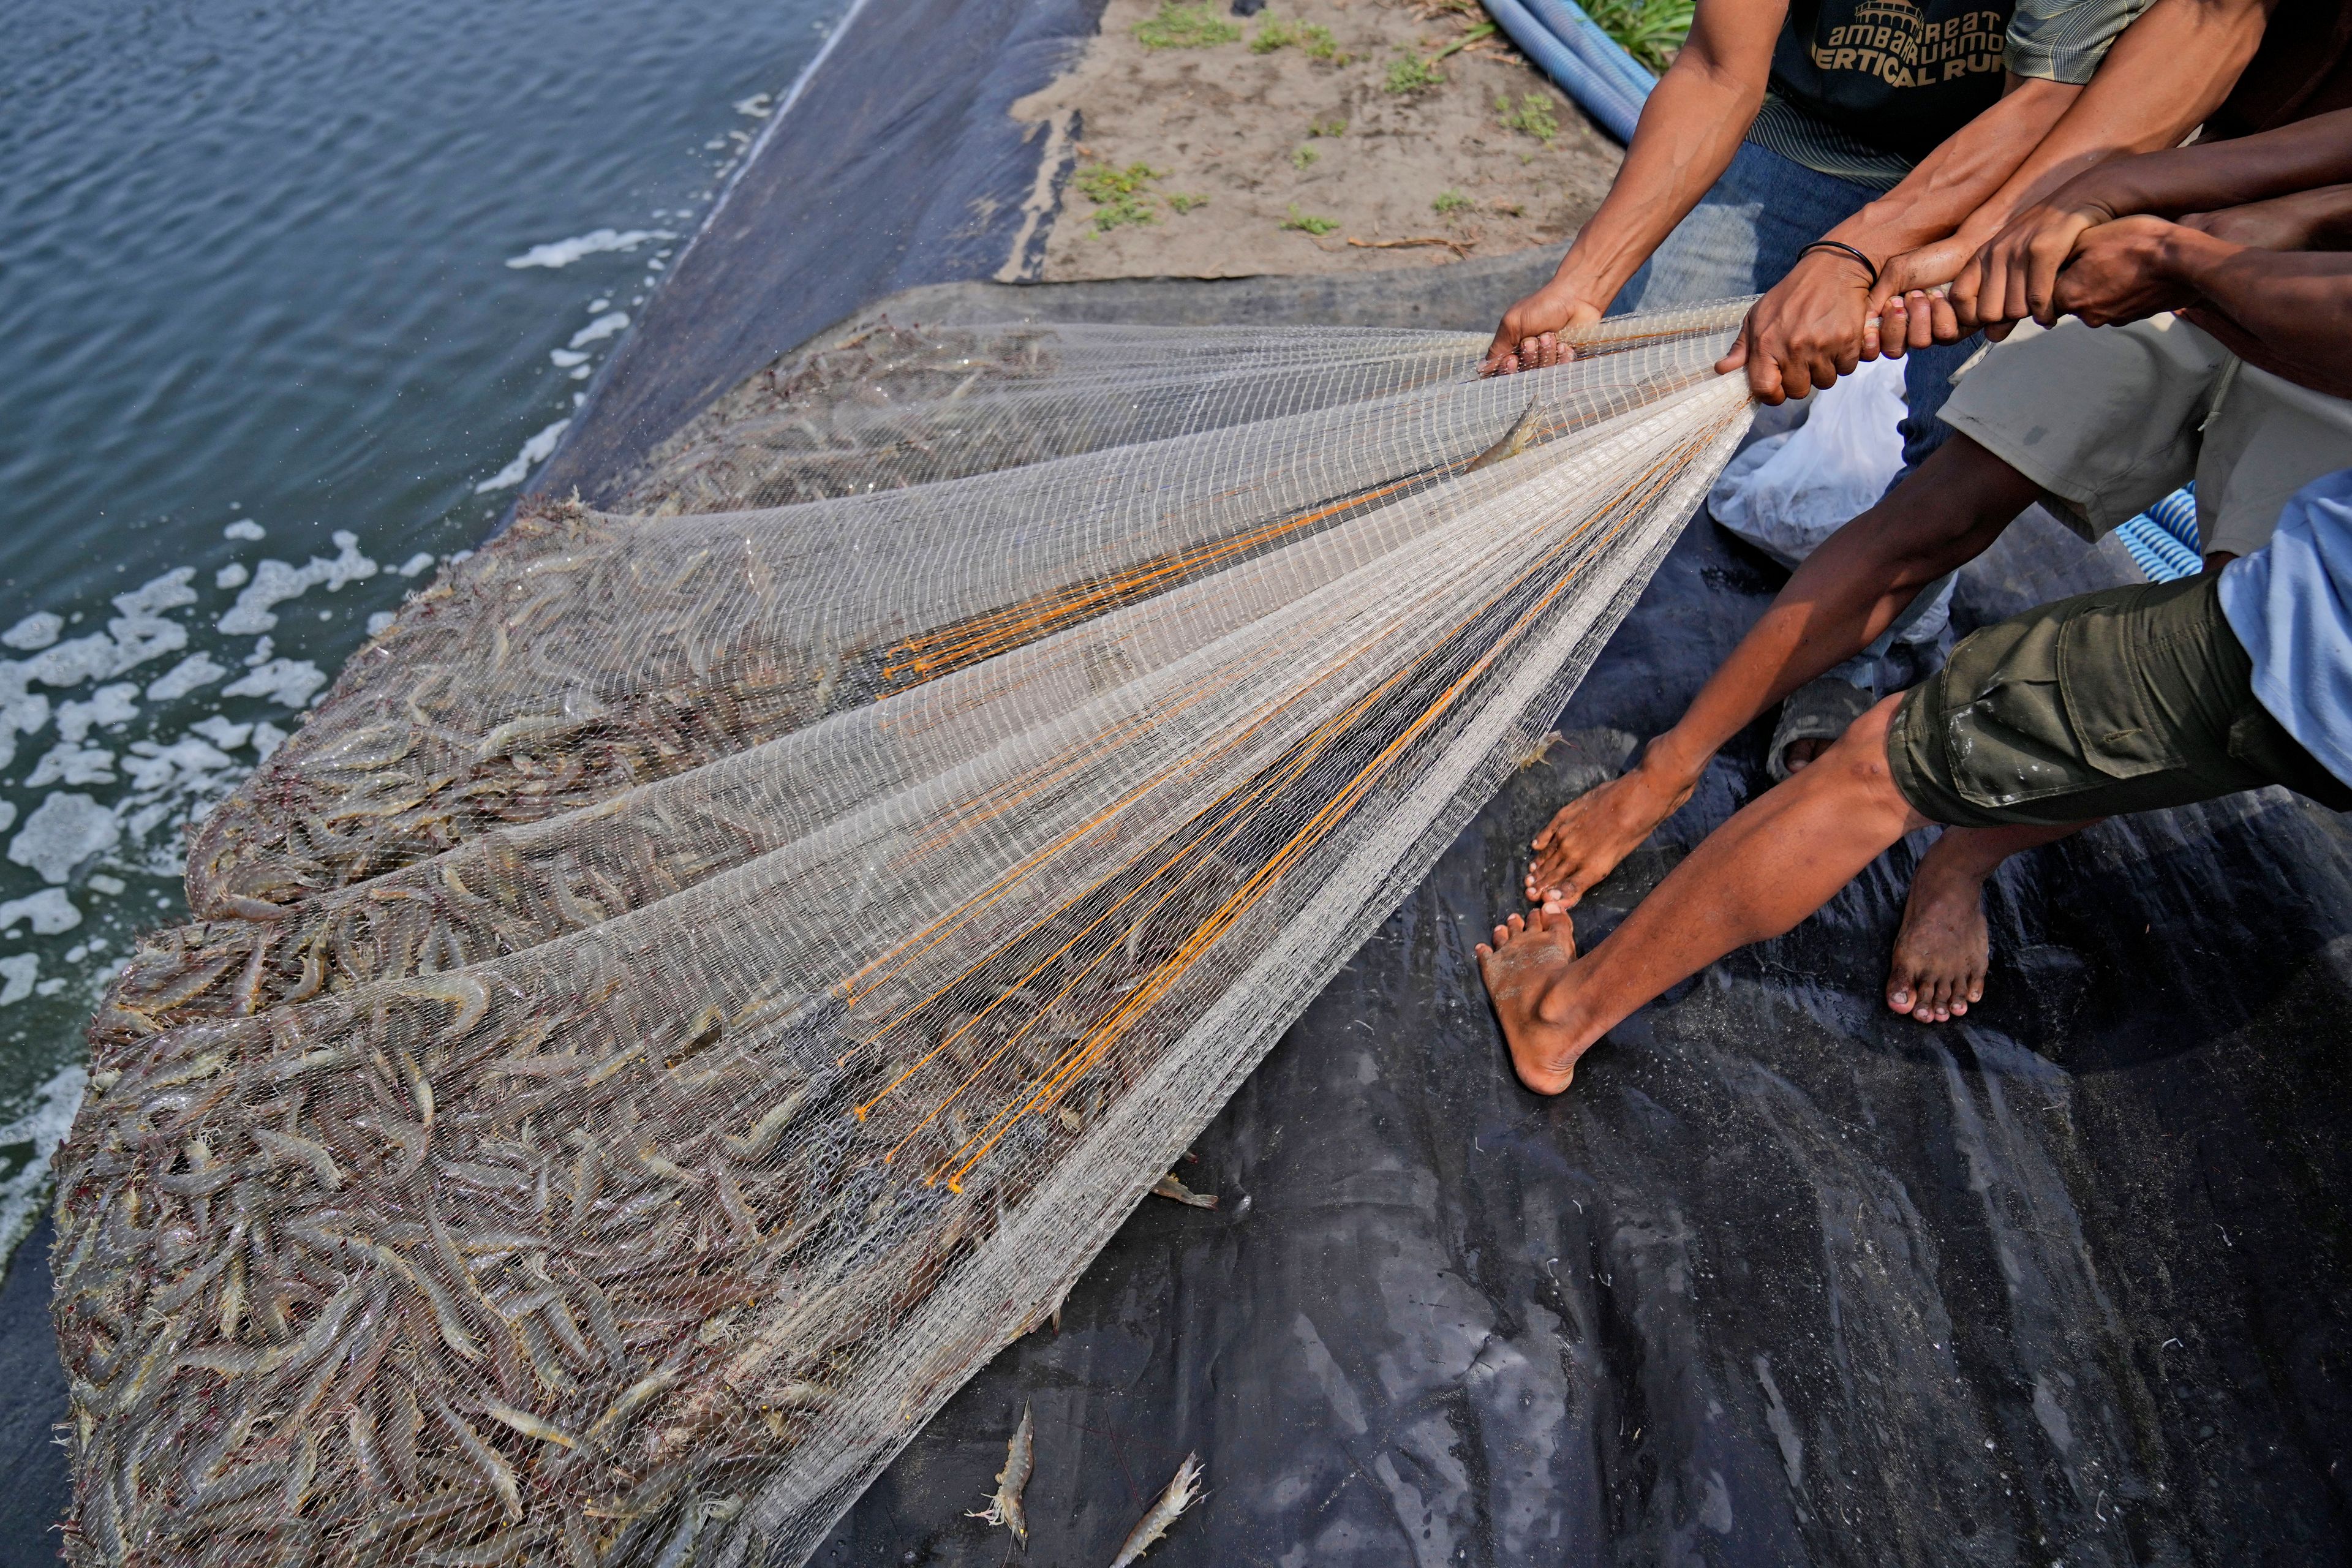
[1308, 134]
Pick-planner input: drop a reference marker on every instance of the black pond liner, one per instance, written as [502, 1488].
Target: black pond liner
[1783, 1279]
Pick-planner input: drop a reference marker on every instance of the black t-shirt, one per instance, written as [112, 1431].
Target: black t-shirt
[1901, 74]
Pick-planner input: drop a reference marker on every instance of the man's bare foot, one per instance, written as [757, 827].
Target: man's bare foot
[1530, 958]
[1943, 950]
[1587, 838]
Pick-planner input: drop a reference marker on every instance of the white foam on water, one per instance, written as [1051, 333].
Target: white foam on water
[274, 581]
[291, 681]
[49, 910]
[243, 527]
[35, 631]
[108, 707]
[198, 670]
[564, 252]
[68, 764]
[380, 622]
[44, 1125]
[221, 732]
[565, 359]
[534, 452]
[157, 594]
[64, 831]
[16, 977]
[602, 327]
[420, 561]
[232, 575]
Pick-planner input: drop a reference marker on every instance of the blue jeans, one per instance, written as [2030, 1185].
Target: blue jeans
[1742, 238]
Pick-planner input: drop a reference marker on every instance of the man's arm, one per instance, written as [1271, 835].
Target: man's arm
[2165, 73]
[1810, 328]
[2288, 312]
[1689, 131]
[2307, 220]
[2016, 275]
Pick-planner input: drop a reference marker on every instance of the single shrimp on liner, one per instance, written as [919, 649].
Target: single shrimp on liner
[1020, 1457]
[1184, 1491]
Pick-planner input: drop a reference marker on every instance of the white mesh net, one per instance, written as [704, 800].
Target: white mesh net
[707, 978]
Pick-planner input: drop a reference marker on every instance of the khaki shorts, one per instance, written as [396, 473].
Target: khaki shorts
[2110, 420]
[2130, 698]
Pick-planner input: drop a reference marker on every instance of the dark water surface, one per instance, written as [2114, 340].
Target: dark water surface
[255, 268]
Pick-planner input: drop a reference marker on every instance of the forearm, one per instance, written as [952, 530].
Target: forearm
[2211, 175]
[1847, 592]
[2289, 312]
[1959, 176]
[2167, 73]
[1690, 129]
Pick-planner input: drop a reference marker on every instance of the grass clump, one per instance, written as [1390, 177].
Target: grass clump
[1448, 203]
[1121, 197]
[1308, 223]
[1326, 128]
[1175, 26]
[1273, 33]
[1414, 74]
[1303, 157]
[1315, 40]
[1184, 202]
[1652, 31]
[1535, 115]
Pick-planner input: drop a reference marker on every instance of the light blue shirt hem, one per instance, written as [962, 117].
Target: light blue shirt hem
[2291, 604]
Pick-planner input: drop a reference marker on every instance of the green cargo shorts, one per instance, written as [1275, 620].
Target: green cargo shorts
[2130, 698]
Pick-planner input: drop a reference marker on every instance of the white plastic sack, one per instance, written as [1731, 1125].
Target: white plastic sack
[1788, 491]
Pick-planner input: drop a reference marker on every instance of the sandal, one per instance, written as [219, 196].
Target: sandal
[1818, 710]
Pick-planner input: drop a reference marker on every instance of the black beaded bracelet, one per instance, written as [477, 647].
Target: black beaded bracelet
[1840, 244]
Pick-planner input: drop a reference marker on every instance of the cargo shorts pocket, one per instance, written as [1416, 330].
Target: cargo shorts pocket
[2112, 658]
[2006, 736]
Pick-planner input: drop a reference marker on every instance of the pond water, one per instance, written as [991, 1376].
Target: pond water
[291, 297]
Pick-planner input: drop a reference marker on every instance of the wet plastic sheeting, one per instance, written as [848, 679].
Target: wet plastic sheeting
[1781, 1279]
[900, 165]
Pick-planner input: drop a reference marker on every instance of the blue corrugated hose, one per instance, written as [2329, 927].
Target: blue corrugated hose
[2177, 515]
[1568, 21]
[1584, 69]
[2163, 539]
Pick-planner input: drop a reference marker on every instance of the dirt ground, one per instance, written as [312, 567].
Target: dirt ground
[1311, 137]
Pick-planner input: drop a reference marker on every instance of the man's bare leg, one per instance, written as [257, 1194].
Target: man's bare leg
[1777, 861]
[1943, 950]
[1845, 593]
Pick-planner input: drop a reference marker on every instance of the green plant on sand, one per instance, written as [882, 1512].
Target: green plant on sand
[1175, 26]
[1315, 40]
[1184, 202]
[1303, 157]
[1448, 203]
[1651, 30]
[1308, 223]
[1121, 196]
[1410, 73]
[1333, 127]
[1320, 43]
[1534, 115]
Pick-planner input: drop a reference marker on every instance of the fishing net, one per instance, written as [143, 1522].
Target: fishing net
[708, 978]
